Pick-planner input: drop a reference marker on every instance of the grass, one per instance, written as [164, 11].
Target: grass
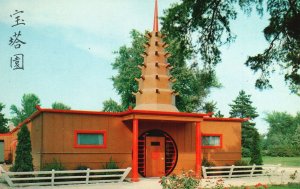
[291, 186]
[284, 161]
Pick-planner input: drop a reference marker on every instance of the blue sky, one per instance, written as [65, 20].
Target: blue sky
[69, 45]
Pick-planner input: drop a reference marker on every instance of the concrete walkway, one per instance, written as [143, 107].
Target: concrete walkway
[153, 183]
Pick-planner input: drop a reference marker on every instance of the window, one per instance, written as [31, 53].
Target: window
[211, 141]
[90, 139]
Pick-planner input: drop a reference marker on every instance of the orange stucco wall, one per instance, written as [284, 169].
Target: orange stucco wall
[52, 136]
[231, 139]
[58, 140]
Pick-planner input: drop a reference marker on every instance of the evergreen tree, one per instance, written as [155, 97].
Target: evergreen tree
[255, 149]
[23, 161]
[28, 103]
[3, 120]
[242, 108]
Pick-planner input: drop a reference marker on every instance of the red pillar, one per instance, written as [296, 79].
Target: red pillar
[198, 149]
[135, 131]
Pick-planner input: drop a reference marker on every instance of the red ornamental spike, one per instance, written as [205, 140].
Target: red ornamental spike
[155, 22]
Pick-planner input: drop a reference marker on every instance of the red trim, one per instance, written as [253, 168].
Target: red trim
[135, 132]
[221, 140]
[125, 112]
[198, 149]
[225, 119]
[76, 132]
[5, 134]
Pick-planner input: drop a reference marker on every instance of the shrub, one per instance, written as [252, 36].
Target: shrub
[207, 163]
[23, 160]
[111, 164]
[81, 167]
[184, 181]
[55, 164]
[241, 163]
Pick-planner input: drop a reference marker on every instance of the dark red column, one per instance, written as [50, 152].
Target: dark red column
[135, 132]
[198, 149]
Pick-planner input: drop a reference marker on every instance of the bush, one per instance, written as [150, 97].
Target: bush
[241, 163]
[183, 181]
[81, 167]
[55, 164]
[207, 163]
[111, 164]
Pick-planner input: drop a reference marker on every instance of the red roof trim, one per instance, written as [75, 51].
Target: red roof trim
[225, 119]
[125, 112]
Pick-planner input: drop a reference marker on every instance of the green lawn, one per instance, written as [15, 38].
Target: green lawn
[284, 161]
[291, 186]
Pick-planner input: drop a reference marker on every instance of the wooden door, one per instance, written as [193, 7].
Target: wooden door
[155, 156]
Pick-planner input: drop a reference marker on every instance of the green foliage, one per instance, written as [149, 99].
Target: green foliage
[207, 163]
[209, 106]
[283, 35]
[111, 164]
[23, 161]
[112, 106]
[81, 167]
[284, 134]
[218, 114]
[193, 84]
[28, 103]
[201, 27]
[241, 163]
[60, 106]
[184, 181]
[242, 107]
[3, 121]
[55, 164]
[126, 62]
[256, 157]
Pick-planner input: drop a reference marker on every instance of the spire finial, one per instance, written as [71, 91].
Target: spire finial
[155, 23]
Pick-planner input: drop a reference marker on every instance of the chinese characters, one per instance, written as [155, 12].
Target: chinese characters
[16, 41]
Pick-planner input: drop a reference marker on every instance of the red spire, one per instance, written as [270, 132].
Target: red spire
[155, 23]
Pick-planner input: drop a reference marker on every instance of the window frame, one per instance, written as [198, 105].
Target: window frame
[76, 132]
[213, 135]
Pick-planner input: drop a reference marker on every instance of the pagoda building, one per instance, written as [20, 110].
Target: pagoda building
[154, 138]
[155, 84]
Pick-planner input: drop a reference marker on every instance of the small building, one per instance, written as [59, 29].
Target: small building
[154, 138]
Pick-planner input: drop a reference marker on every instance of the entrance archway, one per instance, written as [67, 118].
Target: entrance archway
[156, 145]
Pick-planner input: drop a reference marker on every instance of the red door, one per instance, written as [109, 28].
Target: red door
[155, 156]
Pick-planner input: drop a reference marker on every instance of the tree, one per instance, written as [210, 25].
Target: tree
[28, 103]
[3, 120]
[60, 106]
[282, 134]
[203, 26]
[194, 84]
[242, 108]
[23, 161]
[256, 157]
[111, 106]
